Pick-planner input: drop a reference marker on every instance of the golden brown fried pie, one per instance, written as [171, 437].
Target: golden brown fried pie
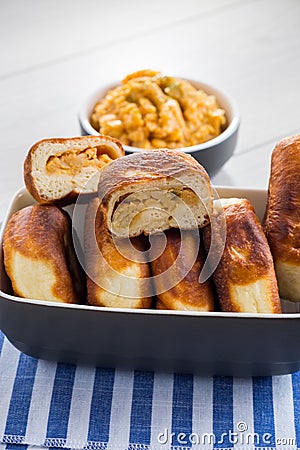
[150, 192]
[245, 278]
[159, 305]
[176, 273]
[39, 257]
[282, 218]
[58, 170]
[113, 279]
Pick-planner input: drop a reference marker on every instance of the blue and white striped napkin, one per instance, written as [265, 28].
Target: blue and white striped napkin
[50, 405]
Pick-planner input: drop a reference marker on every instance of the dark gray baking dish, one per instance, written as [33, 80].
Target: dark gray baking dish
[192, 342]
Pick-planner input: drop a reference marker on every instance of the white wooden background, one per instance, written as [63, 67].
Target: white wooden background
[54, 53]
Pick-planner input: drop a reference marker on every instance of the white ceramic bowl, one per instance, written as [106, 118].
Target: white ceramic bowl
[211, 154]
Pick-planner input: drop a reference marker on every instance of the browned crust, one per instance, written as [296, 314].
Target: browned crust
[189, 292]
[159, 305]
[28, 178]
[246, 257]
[145, 167]
[43, 233]
[282, 218]
[30, 182]
[97, 236]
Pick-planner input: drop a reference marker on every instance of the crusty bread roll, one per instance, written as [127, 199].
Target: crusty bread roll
[159, 304]
[282, 218]
[245, 278]
[176, 273]
[152, 191]
[57, 170]
[39, 257]
[113, 280]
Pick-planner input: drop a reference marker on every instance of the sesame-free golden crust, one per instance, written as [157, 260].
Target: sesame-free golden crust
[72, 195]
[99, 239]
[41, 233]
[246, 258]
[282, 218]
[188, 294]
[143, 167]
[28, 178]
[159, 304]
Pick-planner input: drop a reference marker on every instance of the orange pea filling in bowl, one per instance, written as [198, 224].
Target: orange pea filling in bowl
[150, 110]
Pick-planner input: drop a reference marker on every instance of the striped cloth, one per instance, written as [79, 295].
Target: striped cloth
[50, 405]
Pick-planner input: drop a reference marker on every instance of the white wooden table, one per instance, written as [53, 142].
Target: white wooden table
[54, 53]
